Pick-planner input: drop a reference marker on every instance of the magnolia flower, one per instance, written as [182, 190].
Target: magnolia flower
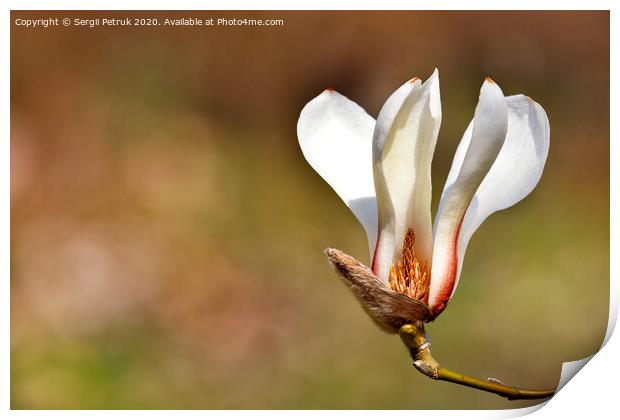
[382, 170]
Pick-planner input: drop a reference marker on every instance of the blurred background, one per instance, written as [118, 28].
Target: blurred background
[167, 234]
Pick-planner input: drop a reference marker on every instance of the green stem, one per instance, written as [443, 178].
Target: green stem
[414, 338]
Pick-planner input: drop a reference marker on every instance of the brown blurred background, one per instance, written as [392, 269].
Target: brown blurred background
[167, 233]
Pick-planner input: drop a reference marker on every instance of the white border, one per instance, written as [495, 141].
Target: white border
[592, 392]
[311, 5]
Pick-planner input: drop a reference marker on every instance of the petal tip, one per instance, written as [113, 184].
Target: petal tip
[530, 100]
[329, 90]
[490, 89]
[414, 80]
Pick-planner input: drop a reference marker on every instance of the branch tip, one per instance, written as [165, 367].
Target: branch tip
[415, 340]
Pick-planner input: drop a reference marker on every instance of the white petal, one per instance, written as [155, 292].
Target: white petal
[335, 135]
[515, 172]
[403, 145]
[479, 149]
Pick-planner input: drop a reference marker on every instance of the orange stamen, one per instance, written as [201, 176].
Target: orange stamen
[409, 276]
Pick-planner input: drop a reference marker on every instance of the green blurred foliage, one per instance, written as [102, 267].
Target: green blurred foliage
[167, 234]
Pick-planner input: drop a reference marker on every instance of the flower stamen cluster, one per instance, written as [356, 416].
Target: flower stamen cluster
[408, 276]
